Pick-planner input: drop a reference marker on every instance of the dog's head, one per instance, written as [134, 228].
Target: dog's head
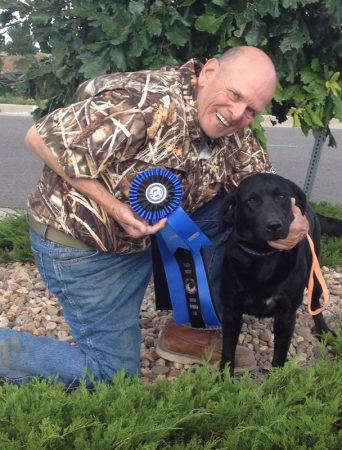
[260, 207]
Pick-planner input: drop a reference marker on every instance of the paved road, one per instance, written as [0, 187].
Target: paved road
[289, 150]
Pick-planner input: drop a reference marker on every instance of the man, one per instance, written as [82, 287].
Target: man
[92, 251]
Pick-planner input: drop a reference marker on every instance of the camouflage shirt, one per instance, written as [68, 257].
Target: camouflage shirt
[122, 124]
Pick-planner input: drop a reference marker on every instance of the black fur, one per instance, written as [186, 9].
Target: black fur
[258, 279]
[329, 225]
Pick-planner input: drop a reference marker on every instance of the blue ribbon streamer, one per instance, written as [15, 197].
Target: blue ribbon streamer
[181, 232]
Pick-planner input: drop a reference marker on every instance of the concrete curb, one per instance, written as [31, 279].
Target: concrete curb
[16, 109]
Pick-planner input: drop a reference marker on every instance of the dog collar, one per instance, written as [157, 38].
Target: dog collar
[253, 252]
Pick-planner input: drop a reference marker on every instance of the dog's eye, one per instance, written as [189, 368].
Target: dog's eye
[252, 201]
[280, 197]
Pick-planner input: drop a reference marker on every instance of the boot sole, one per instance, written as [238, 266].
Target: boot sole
[183, 358]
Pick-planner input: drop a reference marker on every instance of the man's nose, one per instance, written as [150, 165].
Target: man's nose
[237, 111]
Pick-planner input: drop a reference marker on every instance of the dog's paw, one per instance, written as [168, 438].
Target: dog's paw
[321, 332]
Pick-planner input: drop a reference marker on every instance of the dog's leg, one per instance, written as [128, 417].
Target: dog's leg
[321, 326]
[231, 329]
[283, 331]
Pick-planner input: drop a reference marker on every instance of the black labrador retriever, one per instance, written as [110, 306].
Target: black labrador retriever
[258, 279]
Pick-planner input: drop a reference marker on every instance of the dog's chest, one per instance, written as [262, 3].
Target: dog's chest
[259, 306]
[263, 286]
[260, 295]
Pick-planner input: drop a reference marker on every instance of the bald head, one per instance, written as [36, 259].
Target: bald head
[254, 58]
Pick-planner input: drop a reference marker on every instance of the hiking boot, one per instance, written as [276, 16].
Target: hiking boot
[188, 345]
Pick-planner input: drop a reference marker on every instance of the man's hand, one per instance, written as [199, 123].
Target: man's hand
[133, 225]
[298, 230]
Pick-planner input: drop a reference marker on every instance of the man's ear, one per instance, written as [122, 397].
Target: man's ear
[227, 212]
[209, 69]
[298, 195]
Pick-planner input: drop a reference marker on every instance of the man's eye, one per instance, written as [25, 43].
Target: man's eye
[233, 95]
[250, 113]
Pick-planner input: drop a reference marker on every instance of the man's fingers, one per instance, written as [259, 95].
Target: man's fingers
[298, 230]
[152, 229]
[140, 228]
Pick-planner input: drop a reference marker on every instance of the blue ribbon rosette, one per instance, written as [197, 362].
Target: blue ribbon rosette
[154, 194]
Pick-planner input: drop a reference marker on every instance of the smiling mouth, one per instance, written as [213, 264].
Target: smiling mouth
[222, 119]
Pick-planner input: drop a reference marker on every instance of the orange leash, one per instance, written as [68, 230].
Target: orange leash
[316, 269]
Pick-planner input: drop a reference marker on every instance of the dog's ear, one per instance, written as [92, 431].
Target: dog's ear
[227, 212]
[299, 195]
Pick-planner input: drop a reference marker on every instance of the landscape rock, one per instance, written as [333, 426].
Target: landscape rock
[25, 305]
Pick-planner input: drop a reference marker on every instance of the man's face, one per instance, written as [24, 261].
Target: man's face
[231, 94]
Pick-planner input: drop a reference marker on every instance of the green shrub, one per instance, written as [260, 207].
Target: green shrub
[14, 239]
[331, 247]
[292, 409]
[327, 209]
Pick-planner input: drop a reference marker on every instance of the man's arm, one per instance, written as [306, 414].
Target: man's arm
[120, 212]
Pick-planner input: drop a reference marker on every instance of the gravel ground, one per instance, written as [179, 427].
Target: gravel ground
[26, 305]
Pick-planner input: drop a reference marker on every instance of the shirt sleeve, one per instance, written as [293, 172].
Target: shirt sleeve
[88, 136]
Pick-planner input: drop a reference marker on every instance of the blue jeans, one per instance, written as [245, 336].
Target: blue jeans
[101, 295]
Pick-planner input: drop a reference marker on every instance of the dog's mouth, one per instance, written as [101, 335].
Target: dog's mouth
[275, 235]
[273, 230]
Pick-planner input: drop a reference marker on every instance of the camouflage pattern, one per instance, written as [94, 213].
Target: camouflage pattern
[122, 124]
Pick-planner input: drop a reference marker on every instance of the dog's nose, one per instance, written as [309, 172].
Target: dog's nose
[274, 225]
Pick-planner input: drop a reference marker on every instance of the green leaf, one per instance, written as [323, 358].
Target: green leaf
[337, 105]
[295, 39]
[240, 31]
[308, 76]
[335, 77]
[118, 57]
[258, 131]
[41, 18]
[267, 7]
[235, 42]
[288, 3]
[209, 23]
[253, 36]
[119, 32]
[334, 8]
[316, 121]
[136, 7]
[179, 35]
[332, 85]
[222, 3]
[153, 26]
[93, 66]
[138, 44]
